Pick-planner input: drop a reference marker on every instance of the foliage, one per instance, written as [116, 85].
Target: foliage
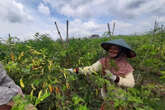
[39, 67]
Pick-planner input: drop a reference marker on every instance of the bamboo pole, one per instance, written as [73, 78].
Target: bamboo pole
[109, 30]
[67, 31]
[9, 35]
[113, 28]
[58, 31]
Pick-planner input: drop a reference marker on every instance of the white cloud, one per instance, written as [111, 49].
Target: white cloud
[16, 19]
[25, 31]
[13, 12]
[46, 1]
[79, 27]
[161, 20]
[76, 8]
[131, 16]
[43, 9]
[128, 9]
[120, 27]
[88, 17]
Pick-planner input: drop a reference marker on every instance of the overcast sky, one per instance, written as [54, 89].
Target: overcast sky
[23, 18]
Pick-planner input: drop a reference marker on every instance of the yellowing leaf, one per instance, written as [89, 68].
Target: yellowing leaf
[31, 94]
[33, 87]
[44, 85]
[57, 90]
[35, 52]
[21, 83]
[97, 92]
[50, 65]
[67, 85]
[50, 88]
[21, 55]
[12, 56]
[64, 74]
[46, 91]
[39, 94]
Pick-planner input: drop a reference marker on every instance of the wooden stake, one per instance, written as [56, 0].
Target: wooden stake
[9, 35]
[162, 28]
[109, 31]
[113, 28]
[67, 32]
[58, 31]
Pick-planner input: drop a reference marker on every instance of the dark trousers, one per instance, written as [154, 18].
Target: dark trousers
[5, 107]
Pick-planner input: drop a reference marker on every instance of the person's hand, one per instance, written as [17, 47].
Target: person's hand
[75, 70]
[71, 70]
[11, 103]
[20, 91]
[110, 75]
[30, 107]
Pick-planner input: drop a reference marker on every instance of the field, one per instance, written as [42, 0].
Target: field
[39, 67]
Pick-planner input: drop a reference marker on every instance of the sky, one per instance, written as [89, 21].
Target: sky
[23, 18]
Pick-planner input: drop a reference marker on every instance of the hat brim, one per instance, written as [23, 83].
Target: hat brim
[130, 53]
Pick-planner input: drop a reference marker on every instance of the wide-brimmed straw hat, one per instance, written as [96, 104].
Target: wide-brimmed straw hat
[121, 43]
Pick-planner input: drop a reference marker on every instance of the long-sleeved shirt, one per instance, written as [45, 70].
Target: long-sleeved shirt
[125, 81]
[8, 88]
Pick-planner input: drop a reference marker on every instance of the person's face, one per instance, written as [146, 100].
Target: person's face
[113, 51]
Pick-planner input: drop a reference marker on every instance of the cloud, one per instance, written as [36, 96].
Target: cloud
[136, 4]
[85, 17]
[25, 31]
[13, 12]
[18, 20]
[80, 28]
[127, 9]
[43, 9]
[46, 1]
[76, 8]
[141, 8]
[161, 20]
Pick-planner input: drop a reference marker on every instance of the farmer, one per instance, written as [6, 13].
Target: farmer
[8, 89]
[114, 65]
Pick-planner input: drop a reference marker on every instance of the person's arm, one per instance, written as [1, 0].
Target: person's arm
[126, 81]
[6, 94]
[96, 67]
